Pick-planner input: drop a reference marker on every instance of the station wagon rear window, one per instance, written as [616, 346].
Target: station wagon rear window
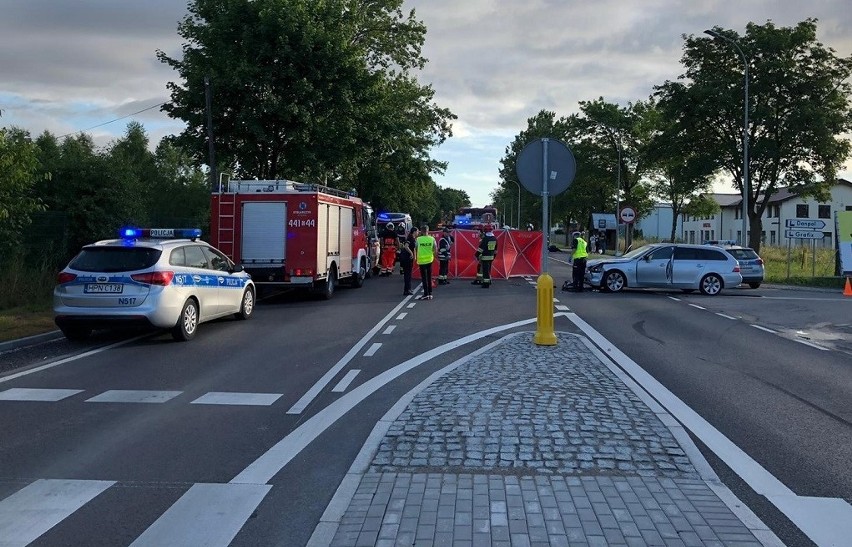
[114, 259]
[743, 254]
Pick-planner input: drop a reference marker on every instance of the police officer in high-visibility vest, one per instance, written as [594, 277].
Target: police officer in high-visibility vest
[578, 271]
[425, 255]
[486, 253]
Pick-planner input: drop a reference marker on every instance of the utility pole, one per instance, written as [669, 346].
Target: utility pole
[211, 149]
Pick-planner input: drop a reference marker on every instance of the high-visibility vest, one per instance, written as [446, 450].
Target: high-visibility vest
[580, 251]
[425, 249]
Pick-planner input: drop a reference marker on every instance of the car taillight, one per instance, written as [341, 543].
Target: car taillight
[65, 277]
[759, 262]
[737, 268]
[154, 278]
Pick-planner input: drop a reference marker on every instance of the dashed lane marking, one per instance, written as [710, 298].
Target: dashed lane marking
[133, 396]
[373, 349]
[726, 316]
[237, 399]
[401, 316]
[35, 394]
[765, 329]
[697, 306]
[390, 329]
[344, 383]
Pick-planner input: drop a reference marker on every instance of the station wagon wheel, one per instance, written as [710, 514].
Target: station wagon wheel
[247, 306]
[711, 285]
[614, 281]
[187, 324]
[754, 285]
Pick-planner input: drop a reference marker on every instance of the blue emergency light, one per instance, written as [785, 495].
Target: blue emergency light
[160, 233]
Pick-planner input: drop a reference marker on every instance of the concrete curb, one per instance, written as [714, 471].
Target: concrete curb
[30, 341]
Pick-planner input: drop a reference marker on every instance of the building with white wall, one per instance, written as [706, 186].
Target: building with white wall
[657, 225]
[727, 223]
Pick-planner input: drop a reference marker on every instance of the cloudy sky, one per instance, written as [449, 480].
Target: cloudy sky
[67, 66]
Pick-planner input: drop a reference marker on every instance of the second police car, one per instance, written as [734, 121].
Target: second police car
[165, 278]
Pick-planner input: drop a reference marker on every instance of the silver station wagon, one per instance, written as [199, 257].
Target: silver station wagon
[667, 266]
[165, 278]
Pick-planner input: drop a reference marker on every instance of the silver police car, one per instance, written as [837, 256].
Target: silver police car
[667, 266]
[160, 277]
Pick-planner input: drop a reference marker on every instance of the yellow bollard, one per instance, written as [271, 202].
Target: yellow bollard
[544, 335]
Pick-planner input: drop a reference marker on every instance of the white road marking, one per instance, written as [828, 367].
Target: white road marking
[344, 383]
[315, 390]
[555, 300]
[41, 505]
[411, 305]
[726, 316]
[373, 349]
[805, 342]
[390, 329]
[562, 307]
[673, 298]
[207, 514]
[273, 460]
[69, 359]
[697, 306]
[133, 396]
[36, 394]
[827, 521]
[237, 399]
[765, 329]
[401, 316]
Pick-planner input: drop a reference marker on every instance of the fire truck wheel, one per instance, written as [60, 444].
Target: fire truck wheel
[187, 324]
[358, 278]
[247, 307]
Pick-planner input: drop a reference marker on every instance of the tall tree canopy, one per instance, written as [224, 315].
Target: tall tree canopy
[799, 105]
[315, 90]
[19, 168]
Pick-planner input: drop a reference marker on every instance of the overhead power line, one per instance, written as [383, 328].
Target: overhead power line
[111, 121]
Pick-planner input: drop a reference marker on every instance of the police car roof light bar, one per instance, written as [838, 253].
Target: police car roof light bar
[160, 233]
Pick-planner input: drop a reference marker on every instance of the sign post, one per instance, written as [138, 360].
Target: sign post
[545, 166]
[803, 228]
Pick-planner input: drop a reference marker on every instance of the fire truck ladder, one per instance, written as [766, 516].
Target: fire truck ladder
[227, 206]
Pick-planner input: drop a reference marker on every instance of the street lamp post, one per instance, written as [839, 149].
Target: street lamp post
[746, 182]
[617, 190]
[518, 225]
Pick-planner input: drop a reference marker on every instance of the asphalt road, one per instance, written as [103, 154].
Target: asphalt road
[781, 396]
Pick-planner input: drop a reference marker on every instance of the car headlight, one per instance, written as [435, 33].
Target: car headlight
[597, 268]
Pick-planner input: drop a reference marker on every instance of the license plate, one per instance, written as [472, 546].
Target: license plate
[103, 288]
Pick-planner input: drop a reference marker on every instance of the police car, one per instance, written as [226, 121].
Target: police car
[165, 278]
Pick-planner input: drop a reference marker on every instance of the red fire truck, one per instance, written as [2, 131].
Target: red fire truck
[290, 234]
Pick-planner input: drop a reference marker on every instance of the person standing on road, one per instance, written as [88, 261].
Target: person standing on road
[444, 246]
[486, 253]
[578, 271]
[406, 260]
[426, 250]
[389, 246]
[478, 279]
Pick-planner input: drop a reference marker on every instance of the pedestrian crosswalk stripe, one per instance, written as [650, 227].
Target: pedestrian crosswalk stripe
[131, 396]
[207, 514]
[36, 394]
[229, 398]
[38, 507]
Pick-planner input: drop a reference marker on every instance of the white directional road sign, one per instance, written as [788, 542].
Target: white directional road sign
[803, 234]
[805, 224]
[627, 214]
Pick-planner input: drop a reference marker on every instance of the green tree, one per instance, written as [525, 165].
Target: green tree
[799, 106]
[680, 169]
[179, 194]
[18, 202]
[315, 90]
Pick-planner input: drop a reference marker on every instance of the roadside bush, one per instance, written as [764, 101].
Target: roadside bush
[28, 283]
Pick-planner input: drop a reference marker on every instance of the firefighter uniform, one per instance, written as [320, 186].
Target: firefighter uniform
[389, 245]
[444, 246]
[486, 253]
